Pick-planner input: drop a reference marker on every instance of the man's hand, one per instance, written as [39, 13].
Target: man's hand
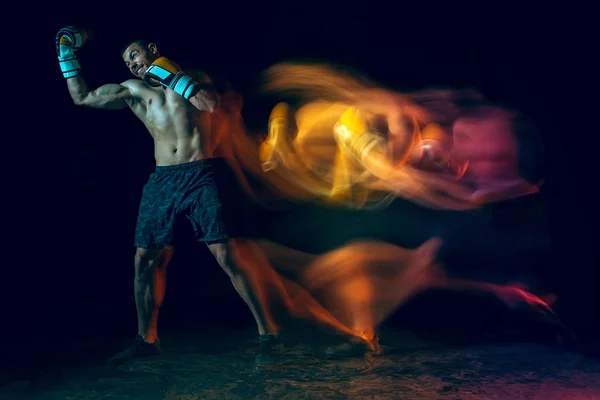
[68, 41]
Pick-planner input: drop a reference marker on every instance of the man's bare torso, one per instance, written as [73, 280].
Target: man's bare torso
[177, 127]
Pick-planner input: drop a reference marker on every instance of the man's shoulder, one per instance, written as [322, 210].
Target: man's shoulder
[139, 89]
[134, 84]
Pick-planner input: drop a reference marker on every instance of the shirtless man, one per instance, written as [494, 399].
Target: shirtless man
[188, 184]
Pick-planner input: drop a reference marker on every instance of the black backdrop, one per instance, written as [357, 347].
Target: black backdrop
[72, 274]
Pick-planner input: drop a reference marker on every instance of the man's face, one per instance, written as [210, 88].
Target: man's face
[138, 59]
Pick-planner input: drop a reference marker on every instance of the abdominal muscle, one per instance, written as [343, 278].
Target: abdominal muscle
[178, 151]
[181, 141]
[178, 129]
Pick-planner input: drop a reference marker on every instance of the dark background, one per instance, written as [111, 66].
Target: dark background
[73, 274]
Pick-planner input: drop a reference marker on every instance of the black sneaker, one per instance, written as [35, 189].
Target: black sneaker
[267, 342]
[139, 348]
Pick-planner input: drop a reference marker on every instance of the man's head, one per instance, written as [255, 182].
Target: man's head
[138, 55]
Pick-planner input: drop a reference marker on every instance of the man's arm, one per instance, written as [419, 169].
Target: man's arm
[206, 98]
[109, 97]
[112, 97]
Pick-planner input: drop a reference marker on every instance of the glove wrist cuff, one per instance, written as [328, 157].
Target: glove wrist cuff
[69, 67]
[184, 85]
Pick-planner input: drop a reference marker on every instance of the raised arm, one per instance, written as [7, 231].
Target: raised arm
[195, 87]
[111, 96]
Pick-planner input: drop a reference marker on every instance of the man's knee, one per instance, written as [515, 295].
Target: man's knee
[148, 259]
[223, 253]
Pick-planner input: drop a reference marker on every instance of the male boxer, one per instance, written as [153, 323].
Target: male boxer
[189, 183]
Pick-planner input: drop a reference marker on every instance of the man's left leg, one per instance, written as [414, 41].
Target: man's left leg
[247, 285]
[260, 285]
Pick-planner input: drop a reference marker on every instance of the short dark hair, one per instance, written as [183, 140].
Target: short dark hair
[140, 42]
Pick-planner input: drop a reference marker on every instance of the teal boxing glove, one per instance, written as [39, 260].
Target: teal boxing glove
[68, 41]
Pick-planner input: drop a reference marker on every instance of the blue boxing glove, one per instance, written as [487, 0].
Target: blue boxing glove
[164, 72]
[68, 41]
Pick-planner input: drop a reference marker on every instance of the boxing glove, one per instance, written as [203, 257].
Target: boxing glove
[68, 41]
[351, 133]
[279, 125]
[168, 74]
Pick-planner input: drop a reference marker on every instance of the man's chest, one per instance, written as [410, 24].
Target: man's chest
[164, 106]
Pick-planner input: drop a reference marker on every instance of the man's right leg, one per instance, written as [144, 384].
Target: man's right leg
[149, 290]
[149, 286]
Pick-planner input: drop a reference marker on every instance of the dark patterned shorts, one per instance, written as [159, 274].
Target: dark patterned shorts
[203, 193]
